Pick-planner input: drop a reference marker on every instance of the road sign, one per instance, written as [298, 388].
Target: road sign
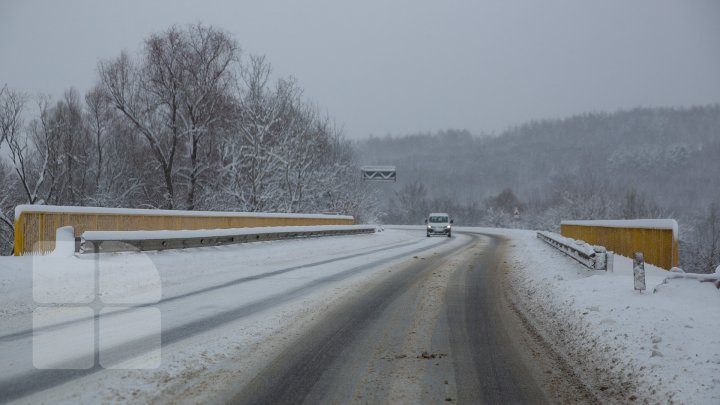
[378, 173]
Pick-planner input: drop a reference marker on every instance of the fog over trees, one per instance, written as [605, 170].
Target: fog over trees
[190, 121]
[643, 163]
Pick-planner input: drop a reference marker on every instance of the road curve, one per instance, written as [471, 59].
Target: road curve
[431, 331]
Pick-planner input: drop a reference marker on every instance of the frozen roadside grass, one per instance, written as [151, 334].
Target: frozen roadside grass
[659, 346]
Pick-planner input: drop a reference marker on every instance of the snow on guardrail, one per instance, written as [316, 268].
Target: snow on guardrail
[593, 257]
[120, 241]
[678, 273]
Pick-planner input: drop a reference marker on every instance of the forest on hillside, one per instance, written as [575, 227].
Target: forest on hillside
[642, 163]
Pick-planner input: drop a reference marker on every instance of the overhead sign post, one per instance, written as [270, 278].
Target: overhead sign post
[378, 173]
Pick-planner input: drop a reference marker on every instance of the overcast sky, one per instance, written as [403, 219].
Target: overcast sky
[399, 67]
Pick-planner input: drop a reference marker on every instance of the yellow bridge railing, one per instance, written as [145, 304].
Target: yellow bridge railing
[657, 239]
[35, 225]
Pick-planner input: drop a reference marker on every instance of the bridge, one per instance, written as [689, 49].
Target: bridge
[361, 314]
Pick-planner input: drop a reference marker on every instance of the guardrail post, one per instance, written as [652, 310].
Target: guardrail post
[600, 258]
[639, 272]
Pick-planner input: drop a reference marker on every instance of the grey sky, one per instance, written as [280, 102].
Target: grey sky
[382, 66]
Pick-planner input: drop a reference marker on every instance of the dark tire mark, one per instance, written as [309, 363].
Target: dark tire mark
[486, 367]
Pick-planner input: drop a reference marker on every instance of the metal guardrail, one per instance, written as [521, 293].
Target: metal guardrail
[592, 257]
[107, 242]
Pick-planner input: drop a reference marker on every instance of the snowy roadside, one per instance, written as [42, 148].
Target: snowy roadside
[658, 346]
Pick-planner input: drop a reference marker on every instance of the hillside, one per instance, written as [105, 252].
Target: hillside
[668, 155]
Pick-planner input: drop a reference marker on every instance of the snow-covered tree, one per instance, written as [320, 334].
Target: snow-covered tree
[703, 247]
[34, 156]
[148, 96]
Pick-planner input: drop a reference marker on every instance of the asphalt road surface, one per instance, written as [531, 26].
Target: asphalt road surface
[432, 331]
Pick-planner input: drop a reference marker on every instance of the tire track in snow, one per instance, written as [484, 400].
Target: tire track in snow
[27, 333]
[37, 380]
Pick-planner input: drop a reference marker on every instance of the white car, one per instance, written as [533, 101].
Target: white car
[439, 223]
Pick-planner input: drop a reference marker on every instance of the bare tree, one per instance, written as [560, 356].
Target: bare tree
[72, 150]
[704, 247]
[260, 114]
[410, 204]
[12, 105]
[99, 117]
[304, 150]
[209, 57]
[338, 178]
[8, 200]
[176, 97]
[119, 166]
[505, 202]
[148, 96]
[32, 153]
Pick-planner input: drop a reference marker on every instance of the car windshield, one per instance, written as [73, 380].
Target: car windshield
[438, 219]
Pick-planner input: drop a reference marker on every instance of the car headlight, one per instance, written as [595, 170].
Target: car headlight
[448, 227]
[429, 227]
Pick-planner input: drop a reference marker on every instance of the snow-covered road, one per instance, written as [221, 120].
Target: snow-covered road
[226, 313]
[210, 299]
[429, 330]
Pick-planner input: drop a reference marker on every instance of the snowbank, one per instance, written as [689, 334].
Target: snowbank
[579, 245]
[651, 347]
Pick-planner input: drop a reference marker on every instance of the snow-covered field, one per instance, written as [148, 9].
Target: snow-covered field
[662, 345]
